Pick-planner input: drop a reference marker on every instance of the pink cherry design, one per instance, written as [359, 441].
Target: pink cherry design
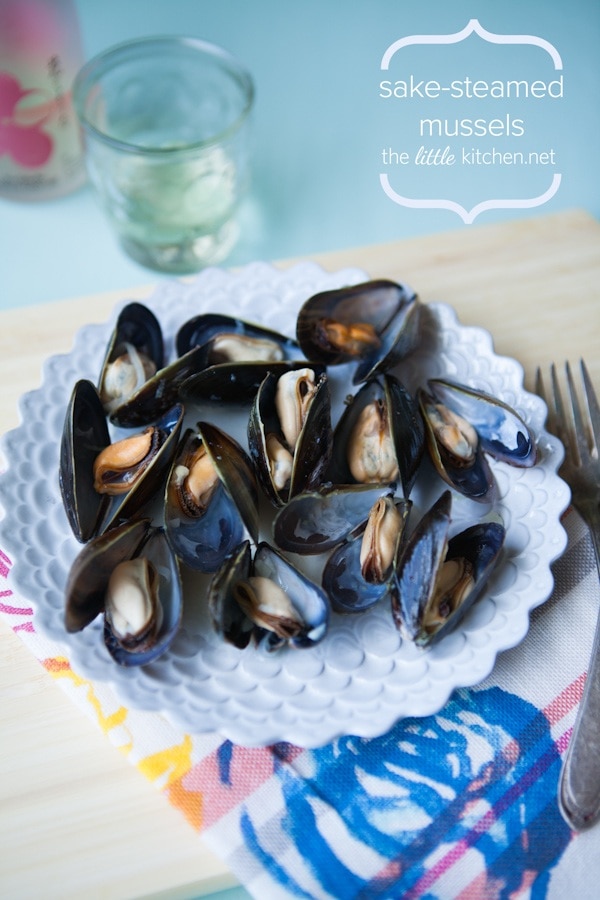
[28, 145]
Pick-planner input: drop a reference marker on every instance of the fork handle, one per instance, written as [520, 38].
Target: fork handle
[579, 788]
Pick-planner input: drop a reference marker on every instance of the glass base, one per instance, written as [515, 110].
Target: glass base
[185, 257]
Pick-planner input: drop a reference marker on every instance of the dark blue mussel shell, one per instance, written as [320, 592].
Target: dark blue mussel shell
[398, 410]
[503, 433]
[202, 536]
[374, 324]
[421, 611]
[234, 624]
[87, 584]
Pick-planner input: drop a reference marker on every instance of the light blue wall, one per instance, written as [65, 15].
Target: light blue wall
[320, 124]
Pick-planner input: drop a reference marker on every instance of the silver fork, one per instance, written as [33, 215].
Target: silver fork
[577, 425]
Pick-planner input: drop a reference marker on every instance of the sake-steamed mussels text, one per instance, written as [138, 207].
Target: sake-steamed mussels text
[154, 484]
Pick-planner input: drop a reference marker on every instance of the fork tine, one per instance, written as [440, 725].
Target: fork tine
[561, 419]
[580, 442]
[577, 426]
[592, 405]
[541, 391]
[539, 386]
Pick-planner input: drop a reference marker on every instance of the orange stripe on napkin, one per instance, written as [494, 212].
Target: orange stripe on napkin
[59, 667]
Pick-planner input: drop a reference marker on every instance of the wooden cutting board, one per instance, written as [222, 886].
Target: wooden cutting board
[75, 818]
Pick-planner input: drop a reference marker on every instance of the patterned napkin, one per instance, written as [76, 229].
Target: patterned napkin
[461, 804]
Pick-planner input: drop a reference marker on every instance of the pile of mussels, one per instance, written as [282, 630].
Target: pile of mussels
[169, 495]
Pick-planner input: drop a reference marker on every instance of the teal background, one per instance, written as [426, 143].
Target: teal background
[320, 126]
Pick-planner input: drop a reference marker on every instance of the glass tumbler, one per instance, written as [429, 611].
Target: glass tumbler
[166, 127]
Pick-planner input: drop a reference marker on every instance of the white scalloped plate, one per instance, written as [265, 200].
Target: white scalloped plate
[362, 677]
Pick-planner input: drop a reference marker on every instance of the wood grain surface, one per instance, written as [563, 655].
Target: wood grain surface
[76, 819]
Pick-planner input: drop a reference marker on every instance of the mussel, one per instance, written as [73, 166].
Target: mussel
[130, 575]
[463, 426]
[147, 488]
[379, 437]
[235, 383]
[374, 324]
[455, 450]
[228, 339]
[264, 598]
[358, 572]
[104, 482]
[503, 433]
[135, 352]
[437, 578]
[235, 357]
[137, 384]
[315, 522]
[289, 432]
[85, 433]
[211, 501]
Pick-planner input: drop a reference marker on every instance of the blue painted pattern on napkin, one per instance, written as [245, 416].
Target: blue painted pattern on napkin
[475, 778]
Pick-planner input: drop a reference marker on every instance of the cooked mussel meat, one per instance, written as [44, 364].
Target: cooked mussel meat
[379, 437]
[289, 432]
[373, 324]
[234, 358]
[121, 464]
[132, 606]
[437, 578]
[380, 539]
[147, 474]
[211, 500]
[266, 599]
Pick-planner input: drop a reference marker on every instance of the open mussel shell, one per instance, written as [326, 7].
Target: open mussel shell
[373, 324]
[437, 578]
[398, 340]
[456, 450]
[87, 590]
[211, 501]
[88, 578]
[314, 522]
[85, 434]
[166, 615]
[158, 393]
[134, 353]
[234, 382]
[379, 436]
[308, 460]
[228, 619]
[266, 599]
[358, 572]
[502, 431]
[136, 384]
[227, 339]
[147, 490]
[130, 482]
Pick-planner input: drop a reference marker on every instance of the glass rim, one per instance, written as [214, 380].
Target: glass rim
[110, 58]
